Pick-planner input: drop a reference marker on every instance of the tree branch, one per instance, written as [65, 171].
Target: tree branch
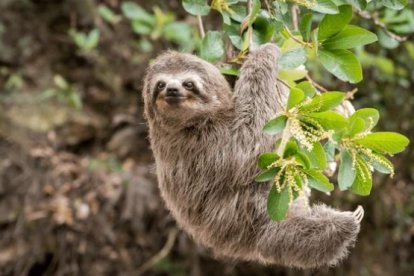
[375, 19]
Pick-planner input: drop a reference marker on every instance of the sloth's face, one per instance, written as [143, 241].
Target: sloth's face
[181, 89]
[181, 96]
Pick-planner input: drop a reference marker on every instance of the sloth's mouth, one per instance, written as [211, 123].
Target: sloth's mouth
[174, 99]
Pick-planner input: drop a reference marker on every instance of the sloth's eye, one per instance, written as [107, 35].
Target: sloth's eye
[188, 85]
[160, 85]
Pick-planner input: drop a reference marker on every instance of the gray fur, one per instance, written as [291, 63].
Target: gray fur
[206, 164]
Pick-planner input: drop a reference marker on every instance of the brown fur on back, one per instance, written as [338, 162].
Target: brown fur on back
[206, 165]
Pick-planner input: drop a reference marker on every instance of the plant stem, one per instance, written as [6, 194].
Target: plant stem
[314, 83]
[269, 9]
[294, 11]
[306, 44]
[200, 26]
[250, 28]
[285, 139]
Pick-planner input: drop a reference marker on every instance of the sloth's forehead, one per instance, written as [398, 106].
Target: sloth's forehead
[180, 77]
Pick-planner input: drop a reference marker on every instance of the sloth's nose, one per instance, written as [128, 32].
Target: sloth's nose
[172, 92]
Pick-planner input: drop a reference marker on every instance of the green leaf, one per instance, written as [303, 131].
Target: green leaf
[355, 126]
[140, 27]
[316, 156]
[370, 116]
[255, 11]
[298, 181]
[178, 32]
[329, 119]
[363, 180]
[267, 175]
[350, 37]
[212, 47]
[144, 45]
[266, 159]
[61, 83]
[329, 148]
[134, 12]
[305, 26]
[341, 63]
[196, 7]
[230, 70]
[303, 159]
[233, 33]
[384, 142]
[75, 100]
[386, 41]
[290, 149]
[346, 174]
[307, 88]
[292, 58]
[358, 4]
[78, 38]
[263, 30]
[319, 181]
[92, 40]
[275, 125]
[332, 24]
[238, 13]
[395, 4]
[278, 203]
[325, 7]
[324, 102]
[108, 15]
[295, 97]
[226, 17]
[383, 166]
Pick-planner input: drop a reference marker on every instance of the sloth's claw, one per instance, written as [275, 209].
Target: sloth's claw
[359, 213]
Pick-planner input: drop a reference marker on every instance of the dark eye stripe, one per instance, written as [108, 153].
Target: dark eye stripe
[155, 93]
[196, 92]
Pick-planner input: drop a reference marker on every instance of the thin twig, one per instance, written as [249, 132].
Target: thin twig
[283, 82]
[294, 10]
[306, 44]
[172, 235]
[314, 83]
[350, 94]
[285, 138]
[375, 19]
[200, 26]
[269, 9]
[250, 29]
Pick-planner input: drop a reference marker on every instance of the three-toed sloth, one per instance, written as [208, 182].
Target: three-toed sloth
[206, 139]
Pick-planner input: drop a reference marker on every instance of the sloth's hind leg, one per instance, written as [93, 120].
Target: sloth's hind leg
[320, 239]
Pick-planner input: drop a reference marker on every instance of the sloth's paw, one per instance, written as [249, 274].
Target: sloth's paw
[319, 239]
[340, 232]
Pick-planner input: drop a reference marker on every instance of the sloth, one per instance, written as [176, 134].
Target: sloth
[206, 137]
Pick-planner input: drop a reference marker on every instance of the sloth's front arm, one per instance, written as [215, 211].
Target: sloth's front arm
[258, 94]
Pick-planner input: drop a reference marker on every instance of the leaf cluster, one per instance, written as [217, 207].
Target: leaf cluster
[317, 134]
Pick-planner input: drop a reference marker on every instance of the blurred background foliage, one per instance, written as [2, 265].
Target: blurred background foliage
[78, 194]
